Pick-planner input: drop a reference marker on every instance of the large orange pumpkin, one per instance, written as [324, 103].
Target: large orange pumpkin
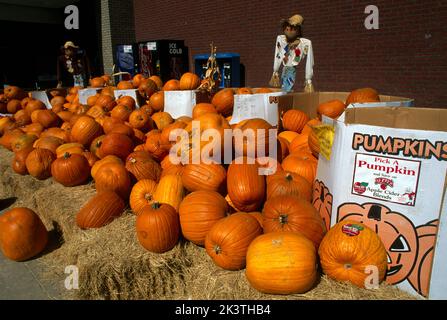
[116, 144]
[113, 177]
[158, 227]
[363, 95]
[199, 211]
[170, 190]
[349, 249]
[303, 164]
[38, 163]
[103, 161]
[157, 101]
[189, 81]
[141, 166]
[24, 141]
[246, 187]
[203, 176]
[162, 119]
[202, 108]
[154, 146]
[9, 137]
[147, 88]
[281, 263]
[142, 195]
[124, 85]
[332, 109]
[157, 81]
[85, 130]
[294, 120]
[256, 144]
[48, 118]
[288, 183]
[100, 210]
[70, 170]
[171, 85]
[228, 240]
[22, 234]
[223, 100]
[291, 213]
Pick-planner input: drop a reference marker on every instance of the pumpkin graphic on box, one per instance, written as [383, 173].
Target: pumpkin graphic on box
[322, 201]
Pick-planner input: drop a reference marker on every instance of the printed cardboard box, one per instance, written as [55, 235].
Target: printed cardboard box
[180, 103]
[388, 169]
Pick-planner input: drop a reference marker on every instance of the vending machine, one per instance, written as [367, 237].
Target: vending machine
[229, 66]
[126, 60]
[167, 59]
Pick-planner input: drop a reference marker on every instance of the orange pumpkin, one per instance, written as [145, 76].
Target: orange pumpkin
[22, 118]
[113, 177]
[300, 144]
[288, 183]
[19, 161]
[96, 112]
[158, 227]
[332, 109]
[85, 130]
[33, 129]
[9, 137]
[157, 101]
[244, 91]
[281, 263]
[170, 190]
[70, 170]
[49, 143]
[124, 85]
[245, 186]
[100, 210]
[116, 144]
[72, 148]
[257, 132]
[141, 166]
[228, 240]
[203, 176]
[189, 81]
[96, 144]
[199, 211]
[157, 81]
[22, 234]
[34, 104]
[294, 120]
[223, 100]
[109, 124]
[153, 145]
[348, 249]
[303, 164]
[171, 85]
[106, 101]
[121, 112]
[314, 144]
[363, 95]
[288, 135]
[140, 120]
[13, 106]
[162, 119]
[127, 101]
[38, 163]
[263, 90]
[202, 108]
[137, 79]
[57, 133]
[165, 137]
[97, 82]
[103, 161]
[322, 201]
[14, 92]
[291, 213]
[142, 195]
[24, 141]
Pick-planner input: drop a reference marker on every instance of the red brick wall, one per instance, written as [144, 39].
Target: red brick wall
[406, 56]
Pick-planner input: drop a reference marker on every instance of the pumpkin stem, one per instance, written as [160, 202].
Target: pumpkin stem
[217, 249]
[289, 177]
[67, 155]
[283, 219]
[156, 205]
[133, 160]
[348, 266]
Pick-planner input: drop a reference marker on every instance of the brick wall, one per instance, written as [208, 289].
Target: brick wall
[406, 56]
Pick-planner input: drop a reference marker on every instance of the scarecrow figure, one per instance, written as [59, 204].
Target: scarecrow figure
[72, 63]
[291, 48]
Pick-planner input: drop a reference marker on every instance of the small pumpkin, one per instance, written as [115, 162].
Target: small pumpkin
[137, 79]
[281, 263]
[189, 81]
[22, 234]
[332, 109]
[244, 91]
[38, 163]
[22, 118]
[363, 95]
[203, 176]
[223, 100]
[162, 119]
[157, 81]
[303, 164]
[97, 82]
[57, 133]
[170, 190]
[147, 88]
[348, 249]
[171, 85]
[127, 101]
[100, 210]
[24, 141]
[257, 132]
[13, 106]
[9, 137]
[116, 144]
[139, 119]
[288, 135]
[199, 211]
[103, 161]
[142, 166]
[294, 120]
[96, 144]
[157, 101]
[124, 85]
[50, 143]
[228, 240]
[153, 145]
[142, 195]
[48, 119]
[300, 144]
[288, 183]
[19, 161]
[158, 227]
[121, 112]
[113, 177]
[70, 170]
[202, 108]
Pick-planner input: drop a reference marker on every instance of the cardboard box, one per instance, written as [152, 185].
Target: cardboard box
[257, 105]
[388, 169]
[180, 103]
[42, 96]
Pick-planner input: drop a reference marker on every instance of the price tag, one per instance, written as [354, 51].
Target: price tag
[179, 103]
[41, 96]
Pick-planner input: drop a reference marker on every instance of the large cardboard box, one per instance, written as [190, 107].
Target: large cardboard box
[388, 169]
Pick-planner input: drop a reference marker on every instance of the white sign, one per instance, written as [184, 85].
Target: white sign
[152, 46]
[42, 96]
[127, 49]
[127, 93]
[84, 94]
[179, 103]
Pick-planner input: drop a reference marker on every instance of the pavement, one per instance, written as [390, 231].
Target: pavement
[26, 280]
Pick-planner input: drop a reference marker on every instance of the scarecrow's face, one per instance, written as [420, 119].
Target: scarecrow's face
[291, 32]
[69, 51]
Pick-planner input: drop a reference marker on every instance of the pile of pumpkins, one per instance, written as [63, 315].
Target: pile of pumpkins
[266, 224]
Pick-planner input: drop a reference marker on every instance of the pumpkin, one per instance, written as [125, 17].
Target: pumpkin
[268, 166]
[246, 187]
[142, 195]
[34, 104]
[244, 91]
[91, 158]
[9, 137]
[19, 161]
[124, 85]
[38, 163]
[288, 183]
[139, 138]
[70, 170]
[123, 129]
[300, 144]
[157, 81]
[363, 95]
[108, 91]
[303, 164]
[332, 109]
[103, 161]
[294, 120]
[147, 88]
[97, 82]
[419, 278]
[116, 144]
[100, 210]
[171, 85]
[202, 108]
[85, 130]
[127, 101]
[223, 100]
[158, 227]
[189, 81]
[170, 190]
[348, 249]
[14, 92]
[263, 90]
[139, 119]
[106, 78]
[121, 112]
[314, 144]
[228, 240]
[24, 141]
[162, 119]
[282, 149]
[153, 145]
[96, 112]
[33, 129]
[72, 148]
[174, 128]
[137, 79]
[106, 101]
[322, 201]
[109, 124]
[396, 231]
[141, 166]
[288, 135]
[91, 101]
[184, 119]
[113, 177]
[157, 101]
[199, 211]
[22, 118]
[49, 143]
[203, 176]
[96, 144]
[281, 263]
[258, 216]
[291, 213]
[57, 133]
[256, 144]
[13, 106]
[57, 108]
[6, 124]
[57, 100]
[176, 170]
[22, 234]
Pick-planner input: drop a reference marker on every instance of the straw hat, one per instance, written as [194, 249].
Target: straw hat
[69, 44]
[295, 20]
